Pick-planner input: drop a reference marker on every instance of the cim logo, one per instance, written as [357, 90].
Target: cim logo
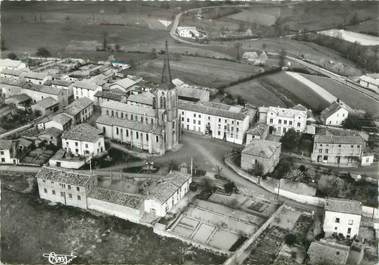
[58, 258]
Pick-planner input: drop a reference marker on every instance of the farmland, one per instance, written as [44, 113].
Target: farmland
[347, 94]
[30, 228]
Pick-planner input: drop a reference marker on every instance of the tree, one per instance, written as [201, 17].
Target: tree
[229, 187]
[238, 50]
[105, 43]
[282, 58]
[290, 140]
[43, 52]
[12, 56]
[290, 239]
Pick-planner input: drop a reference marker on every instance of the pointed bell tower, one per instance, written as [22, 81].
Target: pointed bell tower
[167, 105]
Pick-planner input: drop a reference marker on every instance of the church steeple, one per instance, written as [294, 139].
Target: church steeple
[166, 81]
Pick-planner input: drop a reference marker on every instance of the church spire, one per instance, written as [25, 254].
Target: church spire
[166, 81]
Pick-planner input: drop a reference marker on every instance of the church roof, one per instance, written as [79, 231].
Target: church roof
[166, 81]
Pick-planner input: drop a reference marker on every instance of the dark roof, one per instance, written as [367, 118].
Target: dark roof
[343, 206]
[59, 82]
[133, 125]
[337, 139]
[52, 131]
[335, 106]
[62, 118]
[63, 176]
[112, 95]
[47, 102]
[328, 253]
[117, 197]
[83, 132]
[5, 144]
[166, 80]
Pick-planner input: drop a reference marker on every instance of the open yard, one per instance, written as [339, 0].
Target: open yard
[216, 225]
[30, 227]
[38, 156]
[352, 97]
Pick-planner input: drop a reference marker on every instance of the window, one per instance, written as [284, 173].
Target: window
[187, 119]
[127, 132]
[79, 198]
[156, 138]
[285, 121]
[199, 115]
[117, 130]
[76, 143]
[62, 194]
[219, 119]
[45, 190]
[194, 115]
[137, 135]
[349, 230]
[280, 121]
[290, 122]
[182, 118]
[53, 192]
[1, 152]
[326, 150]
[194, 121]
[271, 121]
[69, 187]
[70, 195]
[86, 145]
[199, 122]
[337, 220]
[209, 117]
[339, 145]
[147, 137]
[78, 188]
[298, 124]
[337, 252]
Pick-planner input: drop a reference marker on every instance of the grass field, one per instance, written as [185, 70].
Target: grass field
[295, 91]
[29, 228]
[200, 71]
[352, 97]
[368, 27]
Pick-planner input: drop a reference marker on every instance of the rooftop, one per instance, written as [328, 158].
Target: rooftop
[117, 197]
[63, 176]
[109, 94]
[126, 82]
[335, 106]
[146, 98]
[285, 112]
[134, 125]
[86, 84]
[43, 89]
[13, 72]
[165, 187]
[52, 131]
[59, 82]
[5, 144]
[262, 148]
[83, 132]
[214, 109]
[328, 252]
[78, 105]
[36, 75]
[343, 206]
[62, 118]
[47, 102]
[338, 139]
[128, 108]
[258, 129]
[9, 63]
[20, 98]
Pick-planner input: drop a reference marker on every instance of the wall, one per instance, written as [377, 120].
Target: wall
[330, 223]
[84, 148]
[73, 164]
[123, 212]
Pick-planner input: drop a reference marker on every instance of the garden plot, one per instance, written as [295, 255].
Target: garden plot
[215, 225]
[38, 156]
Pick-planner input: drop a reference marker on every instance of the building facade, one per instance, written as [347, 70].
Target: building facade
[85, 89]
[342, 217]
[334, 115]
[8, 152]
[337, 150]
[81, 110]
[281, 120]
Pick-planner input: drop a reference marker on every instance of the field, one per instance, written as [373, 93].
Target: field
[368, 27]
[256, 94]
[294, 90]
[30, 227]
[352, 97]
[200, 71]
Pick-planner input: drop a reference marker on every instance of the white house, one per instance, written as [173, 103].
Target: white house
[166, 193]
[370, 82]
[37, 78]
[61, 121]
[83, 140]
[218, 120]
[81, 110]
[65, 187]
[85, 89]
[188, 32]
[342, 217]
[8, 152]
[335, 114]
[281, 120]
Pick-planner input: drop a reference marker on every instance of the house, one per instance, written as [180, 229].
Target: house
[258, 131]
[11, 64]
[337, 150]
[108, 95]
[280, 120]
[81, 110]
[217, 120]
[51, 136]
[65, 159]
[85, 88]
[263, 152]
[61, 121]
[188, 32]
[83, 140]
[39, 92]
[36, 78]
[120, 65]
[166, 193]
[8, 152]
[63, 84]
[9, 88]
[327, 252]
[46, 106]
[21, 101]
[335, 114]
[254, 58]
[370, 81]
[125, 84]
[342, 216]
[367, 158]
[190, 92]
[65, 187]
[12, 74]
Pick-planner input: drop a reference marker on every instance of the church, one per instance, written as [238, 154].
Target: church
[152, 126]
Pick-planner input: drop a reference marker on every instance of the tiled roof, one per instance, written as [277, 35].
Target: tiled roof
[117, 197]
[262, 148]
[214, 109]
[63, 176]
[112, 94]
[146, 98]
[125, 83]
[46, 102]
[328, 253]
[343, 206]
[83, 132]
[52, 131]
[165, 187]
[43, 89]
[35, 75]
[62, 118]
[192, 92]
[59, 82]
[5, 144]
[128, 108]
[133, 125]
[13, 72]
[78, 105]
[19, 97]
[86, 85]
[285, 112]
[335, 106]
[337, 139]
[258, 129]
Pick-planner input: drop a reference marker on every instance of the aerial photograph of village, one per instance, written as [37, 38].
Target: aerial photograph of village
[189, 132]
